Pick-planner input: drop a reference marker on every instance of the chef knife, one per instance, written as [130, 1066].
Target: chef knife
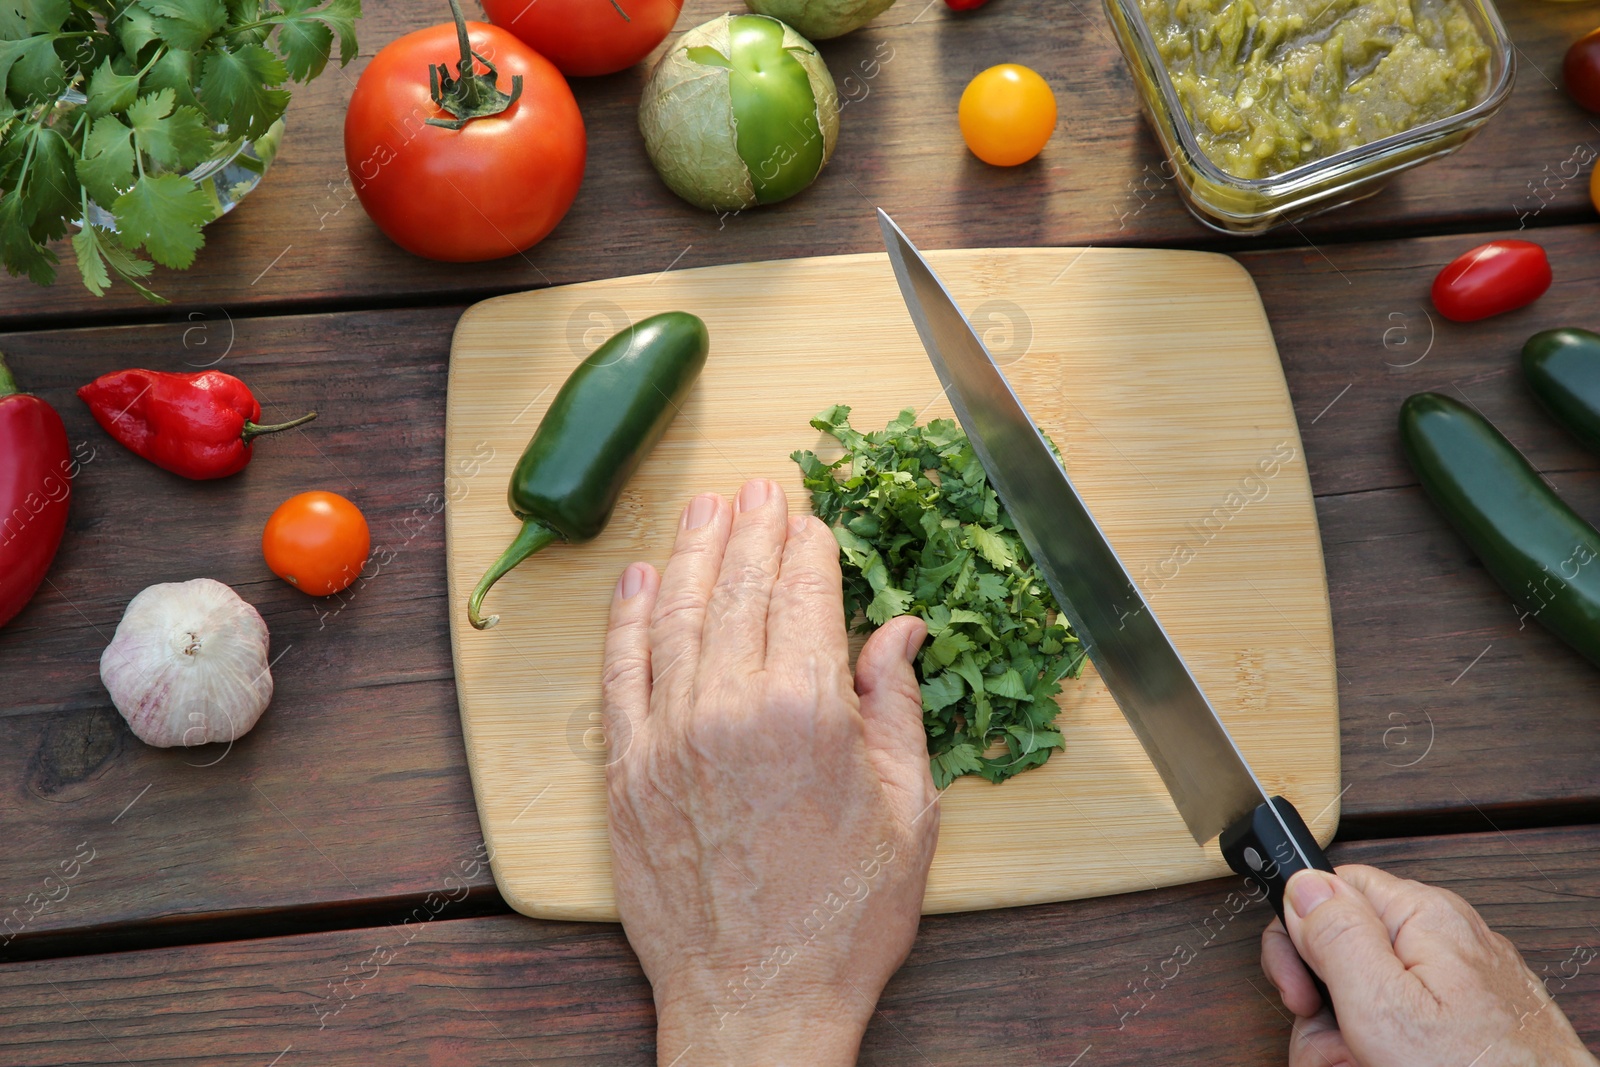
[1213, 787]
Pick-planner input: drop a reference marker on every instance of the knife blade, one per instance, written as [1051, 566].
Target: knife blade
[1209, 780]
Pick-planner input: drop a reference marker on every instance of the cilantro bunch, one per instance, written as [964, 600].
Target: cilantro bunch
[922, 532]
[168, 84]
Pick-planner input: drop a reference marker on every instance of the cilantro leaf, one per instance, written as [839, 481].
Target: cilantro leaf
[86, 246]
[186, 24]
[942, 690]
[1008, 684]
[21, 253]
[96, 250]
[952, 763]
[305, 44]
[106, 167]
[175, 70]
[31, 70]
[175, 137]
[135, 28]
[110, 90]
[306, 32]
[164, 214]
[992, 546]
[46, 191]
[234, 87]
[921, 530]
[47, 16]
[887, 604]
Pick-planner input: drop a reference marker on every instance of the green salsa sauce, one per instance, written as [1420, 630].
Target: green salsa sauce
[1272, 84]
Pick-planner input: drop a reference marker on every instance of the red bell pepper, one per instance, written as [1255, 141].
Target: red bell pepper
[197, 425]
[36, 472]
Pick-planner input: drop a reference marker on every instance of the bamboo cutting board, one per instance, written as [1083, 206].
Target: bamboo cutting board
[1155, 373]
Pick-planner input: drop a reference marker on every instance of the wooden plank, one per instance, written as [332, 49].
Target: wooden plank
[361, 750]
[1174, 435]
[1358, 334]
[1442, 696]
[1046, 984]
[302, 237]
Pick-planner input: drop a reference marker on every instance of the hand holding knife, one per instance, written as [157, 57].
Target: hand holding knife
[1213, 787]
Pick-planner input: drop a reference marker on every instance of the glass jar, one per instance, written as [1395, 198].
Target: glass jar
[1253, 205]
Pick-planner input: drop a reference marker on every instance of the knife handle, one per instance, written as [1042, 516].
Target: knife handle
[1258, 847]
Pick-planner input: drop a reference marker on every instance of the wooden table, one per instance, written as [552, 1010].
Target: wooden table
[247, 910]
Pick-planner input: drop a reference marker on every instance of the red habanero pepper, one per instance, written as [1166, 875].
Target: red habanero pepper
[197, 425]
[36, 472]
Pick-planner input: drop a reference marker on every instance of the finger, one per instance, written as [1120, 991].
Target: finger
[1402, 903]
[735, 639]
[678, 618]
[625, 681]
[1317, 1042]
[805, 621]
[1341, 937]
[1287, 971]
[891, 704]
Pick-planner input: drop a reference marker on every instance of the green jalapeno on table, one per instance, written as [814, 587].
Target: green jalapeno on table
[1563, 369]
[607, 417]
[1540, 551]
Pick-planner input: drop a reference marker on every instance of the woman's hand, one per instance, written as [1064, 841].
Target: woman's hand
[1418, 978]
[772, 820]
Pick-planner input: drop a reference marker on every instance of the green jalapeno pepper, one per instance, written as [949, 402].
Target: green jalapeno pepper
[607, 417]
[1540, 551]
[1563, 369]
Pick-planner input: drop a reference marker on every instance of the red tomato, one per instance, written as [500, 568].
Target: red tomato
[1491, 279]
[489, 189]
[585, 37]
[964, 5]
[1581, 71]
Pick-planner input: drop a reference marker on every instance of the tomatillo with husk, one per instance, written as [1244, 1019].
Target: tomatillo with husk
[608, 415]
[741, 111]
[821, 19]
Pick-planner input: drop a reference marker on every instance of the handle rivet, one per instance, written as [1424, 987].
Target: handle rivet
[1252, 858]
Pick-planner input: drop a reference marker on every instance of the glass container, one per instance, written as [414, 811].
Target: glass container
[1253, 205]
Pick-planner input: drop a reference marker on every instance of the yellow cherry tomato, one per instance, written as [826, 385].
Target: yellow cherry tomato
[1007, 114]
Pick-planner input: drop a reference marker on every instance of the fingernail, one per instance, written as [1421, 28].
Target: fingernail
[797, 525]
[700, 511]
[914, 641]
[754, 494]
[632, 580]
[1307, 890]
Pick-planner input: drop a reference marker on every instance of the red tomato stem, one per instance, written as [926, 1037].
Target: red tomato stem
[471, 95]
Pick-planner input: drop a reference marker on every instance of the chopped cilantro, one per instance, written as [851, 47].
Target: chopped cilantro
[923, 533]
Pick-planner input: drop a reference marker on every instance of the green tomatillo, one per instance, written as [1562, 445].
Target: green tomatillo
[741, 111]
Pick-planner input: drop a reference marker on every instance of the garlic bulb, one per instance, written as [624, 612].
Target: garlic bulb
[188, 664]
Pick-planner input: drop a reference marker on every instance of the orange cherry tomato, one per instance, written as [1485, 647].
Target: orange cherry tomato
[1007, 114]
[317, 542]
[1594, 187]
